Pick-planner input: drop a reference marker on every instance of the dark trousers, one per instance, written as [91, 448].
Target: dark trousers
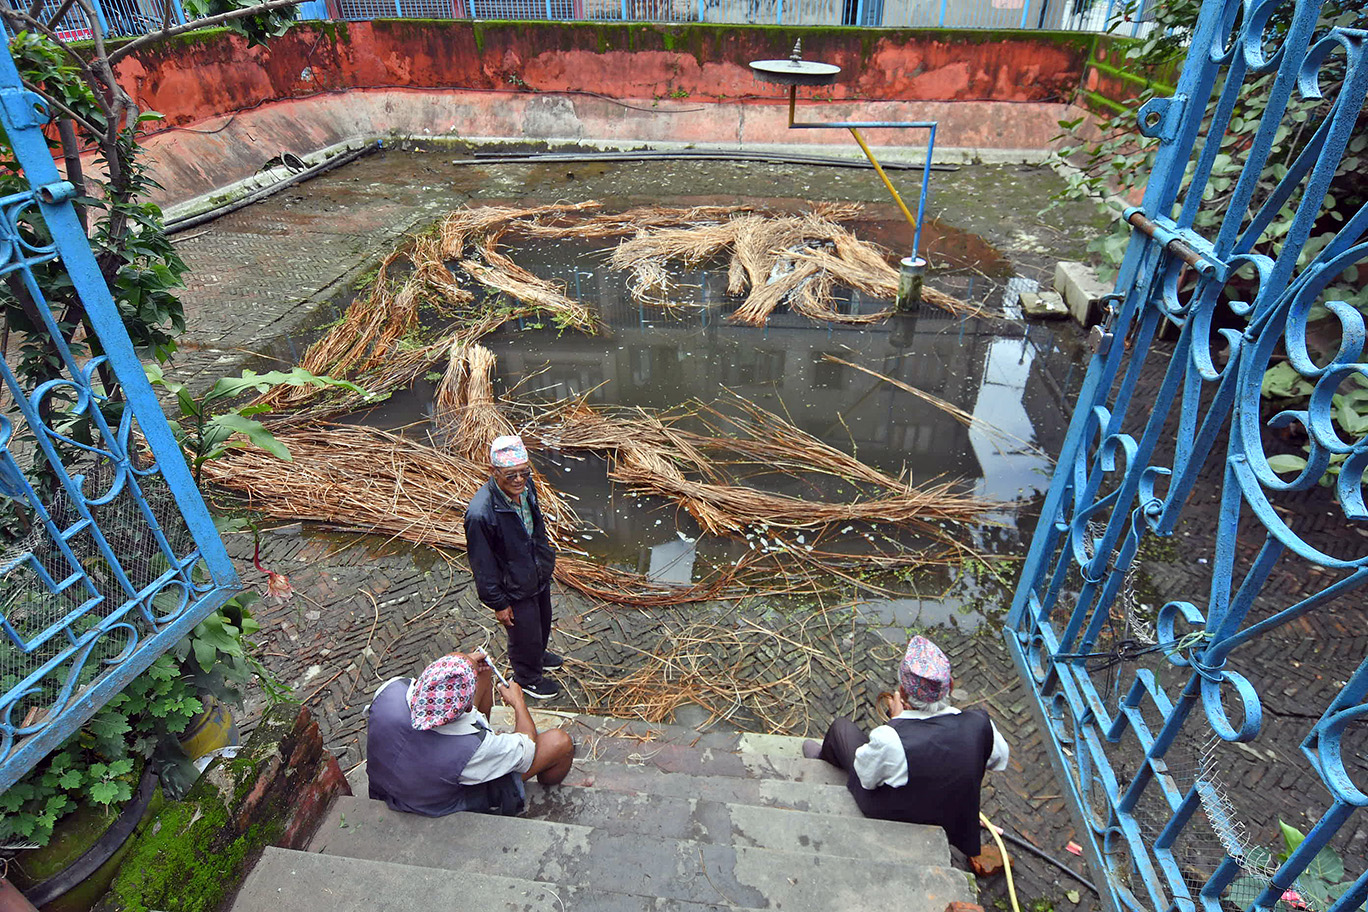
[528, 636]
[842, 739]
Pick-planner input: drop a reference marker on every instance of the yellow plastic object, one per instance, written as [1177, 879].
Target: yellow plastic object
[1006, 862]
[210, 730]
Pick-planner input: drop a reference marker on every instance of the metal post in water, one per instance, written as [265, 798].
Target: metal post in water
[910, 274]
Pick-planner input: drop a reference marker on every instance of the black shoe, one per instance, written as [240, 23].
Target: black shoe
[551, 660]
[544, 689]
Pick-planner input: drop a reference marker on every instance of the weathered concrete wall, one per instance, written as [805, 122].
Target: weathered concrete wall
[326, 83]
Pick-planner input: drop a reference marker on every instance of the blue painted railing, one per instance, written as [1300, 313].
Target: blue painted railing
[109, 555]
[1122, 17]
[1142, 735]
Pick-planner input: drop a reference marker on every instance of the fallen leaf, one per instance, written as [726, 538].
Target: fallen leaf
[1072, 896]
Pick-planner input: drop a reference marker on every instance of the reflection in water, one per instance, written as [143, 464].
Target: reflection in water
[1011, 375]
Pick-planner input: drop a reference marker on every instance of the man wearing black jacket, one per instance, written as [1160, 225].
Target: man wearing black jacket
[512, 560]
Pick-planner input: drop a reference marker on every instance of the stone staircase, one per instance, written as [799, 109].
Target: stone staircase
[652, 817]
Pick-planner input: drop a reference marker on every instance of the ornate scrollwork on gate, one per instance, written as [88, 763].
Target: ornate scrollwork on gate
[108, 555]
[1140, 732]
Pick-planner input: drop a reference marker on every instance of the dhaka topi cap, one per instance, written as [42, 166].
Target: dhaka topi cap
[925, 671]
[507, 451]
[444, 691]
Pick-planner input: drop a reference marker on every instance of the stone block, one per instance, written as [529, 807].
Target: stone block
[1082, 291]
[963, 907]
[1044, 305]
[988, 863]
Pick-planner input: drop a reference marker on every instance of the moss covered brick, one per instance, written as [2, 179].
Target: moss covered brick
[197, 851]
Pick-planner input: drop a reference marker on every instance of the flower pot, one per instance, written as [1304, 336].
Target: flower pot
[74, 870]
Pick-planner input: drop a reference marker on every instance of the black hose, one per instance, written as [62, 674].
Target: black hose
[192, 221]
[1021, 843]
[520, 158]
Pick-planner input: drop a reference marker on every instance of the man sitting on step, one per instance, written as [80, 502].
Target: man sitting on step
[430, 749]
[927, 763]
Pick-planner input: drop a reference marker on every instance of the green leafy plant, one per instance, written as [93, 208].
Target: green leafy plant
[1317, 887]
[205, 435]
[100, 764]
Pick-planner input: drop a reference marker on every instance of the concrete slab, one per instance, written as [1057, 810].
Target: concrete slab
[681, 870]
[739, 824]
[819, 798]
[1082, 290]
[306, 882]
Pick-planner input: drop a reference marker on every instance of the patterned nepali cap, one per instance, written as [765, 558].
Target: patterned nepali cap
[445, 690]
[507, 451]
[925, 671]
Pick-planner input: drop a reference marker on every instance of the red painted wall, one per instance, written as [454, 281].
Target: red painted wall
[200, 76]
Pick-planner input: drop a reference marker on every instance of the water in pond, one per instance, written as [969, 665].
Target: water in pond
[1010, 375]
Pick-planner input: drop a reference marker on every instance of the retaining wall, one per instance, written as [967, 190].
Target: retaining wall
[229, 107]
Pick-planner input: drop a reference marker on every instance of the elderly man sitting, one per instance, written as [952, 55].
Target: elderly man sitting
[927, 763]
[430, 749]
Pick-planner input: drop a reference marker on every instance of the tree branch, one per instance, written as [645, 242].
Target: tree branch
[17, 19]
[54, 103]
[61, 11]
[206, 22]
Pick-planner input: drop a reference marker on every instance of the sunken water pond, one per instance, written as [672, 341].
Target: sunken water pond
[895, 454]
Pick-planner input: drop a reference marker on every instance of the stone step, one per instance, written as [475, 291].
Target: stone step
[673, 869]
[645, 779]
[589, 728]
[676, 758]
[648, 779]
[710, 761]
[746, 825]
[308, 882]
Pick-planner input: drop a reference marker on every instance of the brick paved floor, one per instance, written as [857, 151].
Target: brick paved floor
[367, 610]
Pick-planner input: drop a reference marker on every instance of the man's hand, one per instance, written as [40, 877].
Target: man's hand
[483, 667]
[512, 695]
[504, 616]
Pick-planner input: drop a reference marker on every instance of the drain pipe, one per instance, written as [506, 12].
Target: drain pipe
[911, 271]
[193, 221]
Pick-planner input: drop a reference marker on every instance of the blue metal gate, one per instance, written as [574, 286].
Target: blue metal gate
[109, 555]
[1138, 732]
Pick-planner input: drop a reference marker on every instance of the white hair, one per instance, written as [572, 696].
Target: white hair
[933, 706]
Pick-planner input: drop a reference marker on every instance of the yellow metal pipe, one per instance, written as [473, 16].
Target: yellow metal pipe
[873, 161]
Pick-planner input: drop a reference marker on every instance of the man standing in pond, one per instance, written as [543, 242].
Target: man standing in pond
[512, 560]
[925, 765]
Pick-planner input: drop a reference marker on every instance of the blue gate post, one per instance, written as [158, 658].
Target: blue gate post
[148, 617]
[1127, 469]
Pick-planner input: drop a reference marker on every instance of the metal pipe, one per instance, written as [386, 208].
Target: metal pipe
[884, 177]
[1176, 247]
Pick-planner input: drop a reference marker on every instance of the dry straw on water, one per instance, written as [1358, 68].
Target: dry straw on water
[372, 481]
[774, 260]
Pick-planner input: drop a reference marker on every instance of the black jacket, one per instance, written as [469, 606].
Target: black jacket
[509, 566]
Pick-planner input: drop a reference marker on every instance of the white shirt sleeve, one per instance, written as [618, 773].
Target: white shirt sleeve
[499, 754]
[997, 760]
[882, 761]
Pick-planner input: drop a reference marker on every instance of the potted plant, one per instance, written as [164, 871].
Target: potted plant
[64, 822]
